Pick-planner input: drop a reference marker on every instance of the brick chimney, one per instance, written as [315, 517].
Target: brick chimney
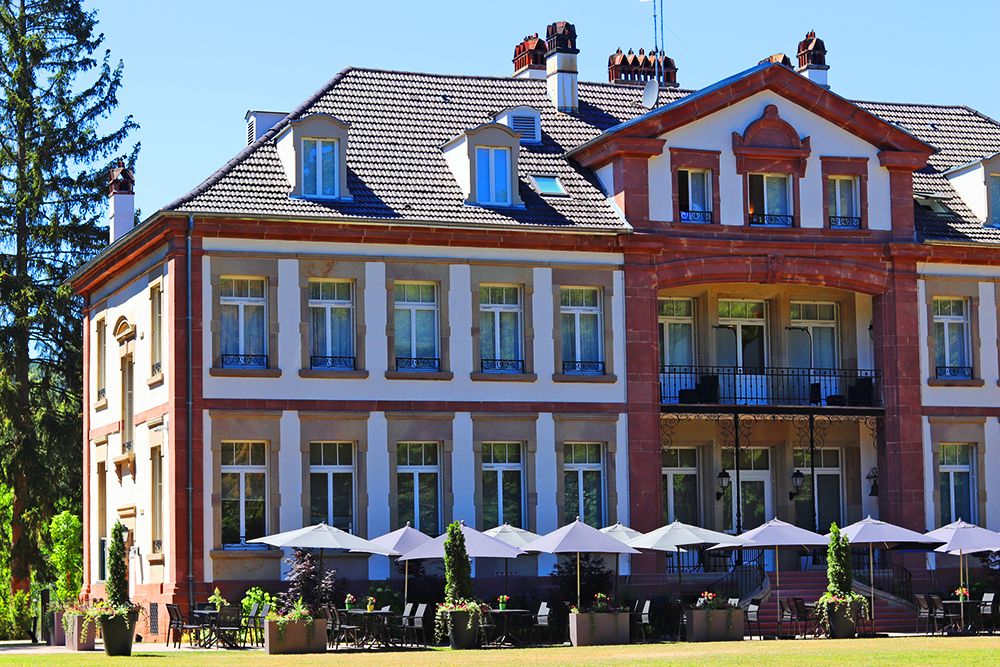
[560, 66]
[121, 209]
[632, 68]
[777, 58]
[812, 59]
[529, 58]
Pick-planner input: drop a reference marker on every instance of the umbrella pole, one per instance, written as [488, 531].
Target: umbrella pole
[506, 564]
[406, 581]
[962, 584]
[777, 582]
[578, 605]
[618, 560]
[871, 581]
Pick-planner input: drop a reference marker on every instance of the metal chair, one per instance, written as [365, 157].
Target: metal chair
[752, 616]
[986, 607]
[805, 618]
[250, 625]
[733, 602]
[940, 613]
[402, 622]
[229, 625]
[416, 626]
[178, 627]
[924, 613]
[641, 619]
[785, 615]
[541, 624]
[343, 631]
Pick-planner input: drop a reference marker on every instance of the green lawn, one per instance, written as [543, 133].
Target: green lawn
[952, 651]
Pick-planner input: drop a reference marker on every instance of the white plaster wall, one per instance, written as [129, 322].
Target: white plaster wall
[457, 157]
[869, 460]
[289, 473]
[460, 316]
[543, 323]
[463, 470]
[929, 509]
[990, 474]
[208, 465]
[661, 187]
[289, 311]
[546, 480]
[970, 184]
[378, 489]
[621, 482]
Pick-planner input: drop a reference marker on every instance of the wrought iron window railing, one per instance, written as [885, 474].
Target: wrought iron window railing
[320, 362]
[244, 361]
[243, 545]
[845, 222]
[502, 365]
[583, 367]
[735, 385]
[953, 372]
[418, 364]
[771, 220]
[696, 216]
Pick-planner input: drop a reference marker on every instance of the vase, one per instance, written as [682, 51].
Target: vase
[348, 605]
[371, 607]
[118, 633]
[78, 638]
[463, 630]
[503, 606]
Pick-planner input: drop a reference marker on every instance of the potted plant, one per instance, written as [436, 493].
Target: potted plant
[603, 623]
[838, 607]
[117, 615]
[962, 593]
[349, 601]
[217, 599]
[713, 620]
[370, 603]
[459, 615]
[65, 557]
[502, 601]
[78, 627]
[295, 631]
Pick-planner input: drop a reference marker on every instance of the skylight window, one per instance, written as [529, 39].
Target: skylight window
[548, 185]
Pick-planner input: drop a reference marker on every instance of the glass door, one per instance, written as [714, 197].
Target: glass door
[812, 344]
[756, 500]
[741, 344]
[827, 502]
[676, 323]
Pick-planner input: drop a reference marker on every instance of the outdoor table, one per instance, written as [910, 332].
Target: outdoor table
[504, 616]
[376, 626]
[956, 615]
[207, 618]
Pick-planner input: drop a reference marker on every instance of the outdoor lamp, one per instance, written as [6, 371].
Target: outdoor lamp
[798, 479]
[723, 478]
[872, 477]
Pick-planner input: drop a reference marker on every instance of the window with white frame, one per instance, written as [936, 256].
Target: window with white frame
[156, 504]
[418, 486]
[331, 484]
[244, 492]
[503, 484]
[243, 322]
[843, 207]
[994, 194]
[694, 194]
[320, 167]
[493, 175]
[679, 467]
[331, 324]
[952, 345]
[827, 502]
[817, 322]
[500, 331]
[416, 327]
[770, 199]
[956, 482]
[128, 402]
[582, 330]
[583, 483]
[676, 331]
[156, 329]
[102, 355]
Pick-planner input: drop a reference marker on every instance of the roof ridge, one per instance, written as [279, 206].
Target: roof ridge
[918, 104]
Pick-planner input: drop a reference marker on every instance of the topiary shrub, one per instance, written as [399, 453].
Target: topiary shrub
[840, 596]
[116, 587]
[457, 569]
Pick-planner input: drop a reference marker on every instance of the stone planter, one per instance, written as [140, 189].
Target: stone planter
[598, 628]
[460, 634]
[714, 625]
[75, 639]
[842, 624]
[118, 632]
[295, 637]
[57, 637]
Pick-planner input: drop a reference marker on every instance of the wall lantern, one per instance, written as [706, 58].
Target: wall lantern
[872, 477]
[723, 479]
[798, 479]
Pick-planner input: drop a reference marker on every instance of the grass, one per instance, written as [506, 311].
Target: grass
[950, 651]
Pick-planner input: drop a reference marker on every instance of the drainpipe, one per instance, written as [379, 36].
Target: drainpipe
[189, 409]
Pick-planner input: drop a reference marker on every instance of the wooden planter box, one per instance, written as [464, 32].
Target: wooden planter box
[75, 632]
[597, 628]
[714, 625]
[58, 636]
[298, 637]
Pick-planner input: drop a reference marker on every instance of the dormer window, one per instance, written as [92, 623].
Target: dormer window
[493, 175]
[770, 200]
[993, 183]
[483, 161]
[320, 167]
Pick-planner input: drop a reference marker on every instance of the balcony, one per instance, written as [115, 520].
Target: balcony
[328, 363]
[696, 216]
[771, 220]
[844, 222]
[418, 364]
[583, 367]
[502, 365]
[770, 387]
[953, 372]
[244, 361]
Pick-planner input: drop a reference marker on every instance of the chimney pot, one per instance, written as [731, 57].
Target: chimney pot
[812, 59]
[632, 68]
[561, 67]
[121, 205]
[529, 58]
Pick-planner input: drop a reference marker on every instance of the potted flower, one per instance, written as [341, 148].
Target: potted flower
[78, 627]
[370, 603]
[502, 601]
[349, 601]
[713, 620]
[962, 593]
[459, 616]
[837, 609]
[294, 631]
[117, 615]
[603, 623]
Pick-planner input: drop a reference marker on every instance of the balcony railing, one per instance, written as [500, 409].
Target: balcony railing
[771, 220]
[244, 361]
[502, 365]
[734, 385]
[696, 216]
[845, 222]
[953, 372]
[418, 364]
[319, 362]
[583, 367]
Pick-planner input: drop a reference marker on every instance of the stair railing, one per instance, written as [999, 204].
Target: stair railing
[745, 577]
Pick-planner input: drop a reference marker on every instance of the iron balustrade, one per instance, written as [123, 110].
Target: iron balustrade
[771, 220]
[845, 222]
[696, 216]
[953, 372]
[746, 577]
[244, 361]
[502, 365]
[583, 367]
[735, 385]
[331, 363]
[889, 577]
[418, 363]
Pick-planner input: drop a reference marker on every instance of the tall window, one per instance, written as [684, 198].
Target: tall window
[754, 490]
[826, 502]
[102, 520]
[102, 355]
[242, 308]
[418, 486]
[741, 339]
[842, 206]
[952, 356]
[994, 195]
[156, 329]
[818, 323]
[677, 331]
[582, 334]
[770, 200]
[416, 326]
[500, 329]
[694, 194]
[320, 166]
[583, 480]
[679, 467]
[503, 475]
[956, 483]
[331, 484]
[493, 175]
[331, 324]
[128, 402]
[156, 506]
[244, 492]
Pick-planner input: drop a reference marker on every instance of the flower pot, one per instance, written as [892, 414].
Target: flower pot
[118, 633]
[348, 606]
[295, 637]
[76, 638]
[714, 625]
[597, 628]
[371, 608]
[461, 633]
[502, 606]
[841, 619]
[57, 637]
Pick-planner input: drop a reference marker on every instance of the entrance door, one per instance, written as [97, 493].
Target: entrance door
[755, 488]
[812, 344]
[828, 499]
[741, 342]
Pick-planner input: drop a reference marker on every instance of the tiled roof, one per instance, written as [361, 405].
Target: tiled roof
[396, 170]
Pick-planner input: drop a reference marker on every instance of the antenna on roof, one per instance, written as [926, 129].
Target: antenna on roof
[651, 93]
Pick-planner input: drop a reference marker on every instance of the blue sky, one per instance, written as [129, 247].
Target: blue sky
[194, 68]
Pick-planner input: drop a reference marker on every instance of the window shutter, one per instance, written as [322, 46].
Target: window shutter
[526, 127]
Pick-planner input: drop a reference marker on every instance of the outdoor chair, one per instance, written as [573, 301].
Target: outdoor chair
[229, 626]
[941, 617]
[785, 615]
[805, 618]
[641, 619]
[402, 621]
[343, 632]
[487, 630]
[541, 625]
[250, 625]
[924, 613]
[752, 616]
[986, 618]
[733, 602]
[178, 627]
[416, 627]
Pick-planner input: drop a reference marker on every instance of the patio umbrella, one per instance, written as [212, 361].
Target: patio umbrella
[322, 536]
[673, 537]
[622, 533]
[886, 535]
[516, 537]
[577, 537]
[961, 539]
[477, 544]
[400, 541]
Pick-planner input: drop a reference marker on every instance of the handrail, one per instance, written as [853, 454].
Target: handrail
[746, 576]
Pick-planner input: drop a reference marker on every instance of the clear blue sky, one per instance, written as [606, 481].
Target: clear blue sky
[193, 68]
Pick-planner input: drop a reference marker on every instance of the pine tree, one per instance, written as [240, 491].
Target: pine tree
[116, 586]
[57, 91]
[457, 569]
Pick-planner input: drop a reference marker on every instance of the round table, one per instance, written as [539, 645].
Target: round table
[506, 637]
[207, 619]
[376, 628]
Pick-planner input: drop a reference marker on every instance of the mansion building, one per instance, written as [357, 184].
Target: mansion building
[423, 298]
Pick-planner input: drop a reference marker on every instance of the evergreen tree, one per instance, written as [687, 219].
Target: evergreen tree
[116, 586]
[457, 568]
[57, 91]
